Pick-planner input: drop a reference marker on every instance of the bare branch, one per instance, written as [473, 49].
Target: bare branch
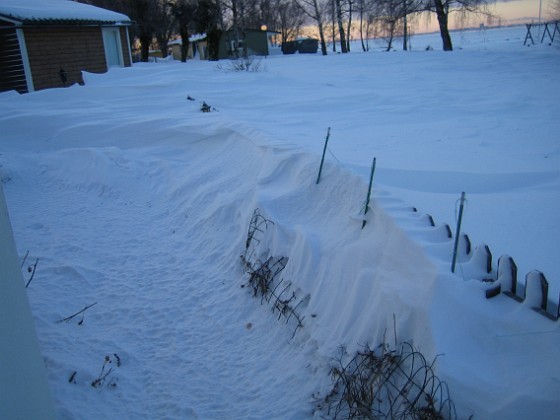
[32, 269]
[77, 313]
[24, 258]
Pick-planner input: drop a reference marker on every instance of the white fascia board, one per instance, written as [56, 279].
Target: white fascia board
[8, 19]
[129, 49]
[25, 60]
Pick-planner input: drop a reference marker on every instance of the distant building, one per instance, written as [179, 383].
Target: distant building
[235, 44]
[198, 47]
[46, 44]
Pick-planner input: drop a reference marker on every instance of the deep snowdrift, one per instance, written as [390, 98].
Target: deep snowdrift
[134, 200]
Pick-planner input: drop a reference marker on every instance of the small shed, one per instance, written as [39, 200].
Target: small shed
[234, 44]
[302, 45]
[46, 44]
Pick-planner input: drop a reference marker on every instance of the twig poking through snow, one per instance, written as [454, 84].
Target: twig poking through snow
[24, 258]
[100, 381]
[207, 108]
[77, 313]
[72, 379]
[32, 270]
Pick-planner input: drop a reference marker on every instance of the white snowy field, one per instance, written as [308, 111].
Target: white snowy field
[136, 202]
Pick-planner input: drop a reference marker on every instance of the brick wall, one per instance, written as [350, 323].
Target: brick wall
[72, 49]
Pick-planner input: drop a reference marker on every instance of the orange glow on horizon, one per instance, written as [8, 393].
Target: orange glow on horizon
[514, 12]
[507, 13]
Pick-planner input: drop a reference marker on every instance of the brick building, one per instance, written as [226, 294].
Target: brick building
[46, 44]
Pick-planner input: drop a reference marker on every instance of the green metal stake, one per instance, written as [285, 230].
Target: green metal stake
[369, 191]
[323, 157]
[459, 220]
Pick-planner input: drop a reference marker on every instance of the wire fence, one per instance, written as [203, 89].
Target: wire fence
[265, 275]
[386, 384]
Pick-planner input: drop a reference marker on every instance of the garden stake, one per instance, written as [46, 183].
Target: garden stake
[323, 157]
[369, 191]
[456, 246]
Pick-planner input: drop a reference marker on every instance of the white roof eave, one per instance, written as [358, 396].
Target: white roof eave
[44, 11]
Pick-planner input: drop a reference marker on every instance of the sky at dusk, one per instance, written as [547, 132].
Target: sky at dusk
[506, 12]
[523, 10]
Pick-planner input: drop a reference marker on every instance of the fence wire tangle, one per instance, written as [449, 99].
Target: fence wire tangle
[386, 384]
[265, 277]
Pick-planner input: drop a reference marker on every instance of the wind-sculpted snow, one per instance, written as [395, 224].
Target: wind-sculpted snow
[137, 202]
[153, 238]
[357, 280]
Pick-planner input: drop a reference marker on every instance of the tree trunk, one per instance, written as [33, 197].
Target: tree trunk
[145, 41]
[405, 33]
[391, 35]
[333, 27]
[343, 45]
[320, 26]
[213, 37]
[163, 47]
[322, 37]
[368, 31]
[362, 27]
[442, 15]
[348, 34]
[184, 46]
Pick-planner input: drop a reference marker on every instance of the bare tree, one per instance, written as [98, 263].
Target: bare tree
[389, 17]
[364, 7]
[209, 19]
[333, 24]
[183, 13]
[350, 4]
[263, 12]
[340, 24]
[410, 7]
[163, 23]
[143, 13]
[289, 19]
[442, 9]
[392, 17]
[316, 11]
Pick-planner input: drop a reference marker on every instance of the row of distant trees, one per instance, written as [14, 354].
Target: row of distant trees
[158, 20]
[155, 21]
[386, 18]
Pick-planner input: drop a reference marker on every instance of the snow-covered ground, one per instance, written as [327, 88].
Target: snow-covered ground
[137, 203]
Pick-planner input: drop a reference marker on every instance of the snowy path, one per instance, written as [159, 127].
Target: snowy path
[161, 262]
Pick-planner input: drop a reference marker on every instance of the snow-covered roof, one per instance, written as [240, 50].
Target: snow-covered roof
[55, 11]
[192, 38]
